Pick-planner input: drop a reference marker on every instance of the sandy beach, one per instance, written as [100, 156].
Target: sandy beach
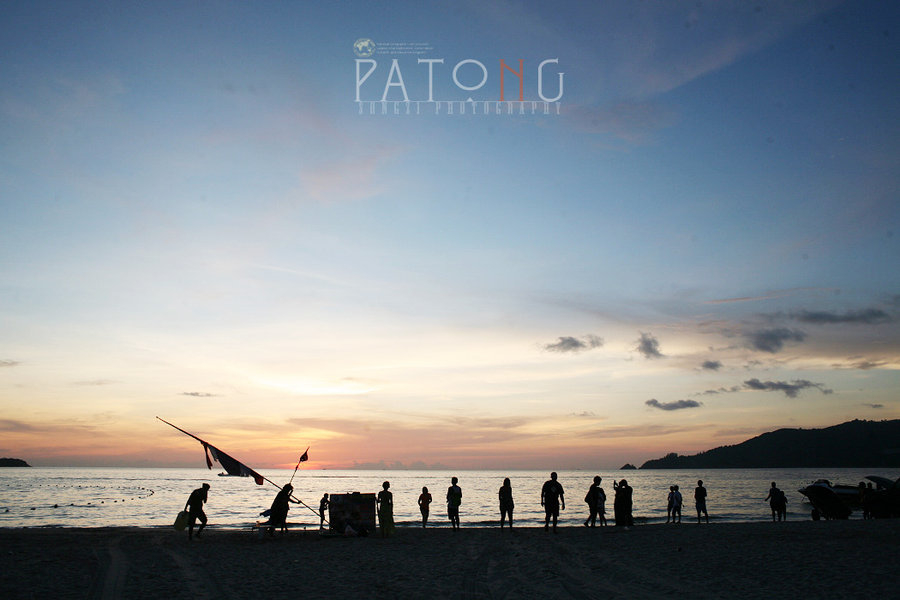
[733, 560]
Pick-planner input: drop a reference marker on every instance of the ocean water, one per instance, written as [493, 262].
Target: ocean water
[109, 497]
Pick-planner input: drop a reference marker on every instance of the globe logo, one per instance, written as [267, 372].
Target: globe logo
[364, 47]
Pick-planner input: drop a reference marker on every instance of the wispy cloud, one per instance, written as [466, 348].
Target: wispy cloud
[773, 340]
[863, 364]
[874, 406]
[572, 344]
[94, 382]
[721, 390]
[630, 121]
[648, 346]
[354, 178]
[9, 363]
[11, 426]
[674, 405]
[198, 394]
[791, 390]
[867, 316]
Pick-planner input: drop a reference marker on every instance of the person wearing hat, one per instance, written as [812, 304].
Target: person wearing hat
[194, 506]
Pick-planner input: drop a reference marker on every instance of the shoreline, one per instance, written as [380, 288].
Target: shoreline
[733, 560]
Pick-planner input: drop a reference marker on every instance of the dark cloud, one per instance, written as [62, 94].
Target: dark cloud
[572, 344]
[711, 365]
[772, 340]
[9, 363]
[649, 346]
[868, 316]
[676, 405]
[790, 389]
[198, 394]
[875, 406]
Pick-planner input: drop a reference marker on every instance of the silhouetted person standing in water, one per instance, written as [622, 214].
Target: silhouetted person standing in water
[778, 502]
[593, 501]
[552, 495]
[677, 501]
[454, 499]
[424, 504]
[506, 502]
[700, 501]
[194, 506]
[622, 504]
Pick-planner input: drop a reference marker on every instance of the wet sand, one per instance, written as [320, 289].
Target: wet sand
[845, 559]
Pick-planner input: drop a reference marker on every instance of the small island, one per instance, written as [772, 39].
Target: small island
[13, 462]
[627, 467]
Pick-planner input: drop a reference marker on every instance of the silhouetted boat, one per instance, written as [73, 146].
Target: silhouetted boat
[837, 501]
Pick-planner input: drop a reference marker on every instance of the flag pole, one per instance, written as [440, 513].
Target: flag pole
[302, 456]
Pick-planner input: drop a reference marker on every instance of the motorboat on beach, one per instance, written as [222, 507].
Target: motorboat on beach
[837, 501]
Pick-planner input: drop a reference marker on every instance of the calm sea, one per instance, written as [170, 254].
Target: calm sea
[103, 497]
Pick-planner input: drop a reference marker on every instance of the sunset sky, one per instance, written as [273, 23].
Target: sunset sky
[698, 242]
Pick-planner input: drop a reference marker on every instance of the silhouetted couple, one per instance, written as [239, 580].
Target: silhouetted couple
[622, 504]
[596, 501]
[778, 503]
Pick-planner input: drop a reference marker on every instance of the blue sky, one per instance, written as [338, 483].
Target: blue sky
[196, 222]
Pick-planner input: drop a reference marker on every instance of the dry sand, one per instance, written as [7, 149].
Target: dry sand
[829, 559]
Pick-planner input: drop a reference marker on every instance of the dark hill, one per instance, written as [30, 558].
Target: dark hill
[852, 444]
[13, 462]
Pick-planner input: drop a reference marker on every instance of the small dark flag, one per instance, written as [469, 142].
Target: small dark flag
[305, 456]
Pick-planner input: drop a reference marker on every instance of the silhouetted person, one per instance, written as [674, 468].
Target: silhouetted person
[279, 510]
[677, 502]
[194, 506]
[385, 502]
[778, 503]
[454, 499]
[323, 506]
[700, 501]
[552, 495]
[424, 505]
[506, 502]
[593, 501]
[670, 502]
[622, 504]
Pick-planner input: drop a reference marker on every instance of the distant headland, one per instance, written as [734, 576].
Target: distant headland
[13, 462]
[852, 444]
